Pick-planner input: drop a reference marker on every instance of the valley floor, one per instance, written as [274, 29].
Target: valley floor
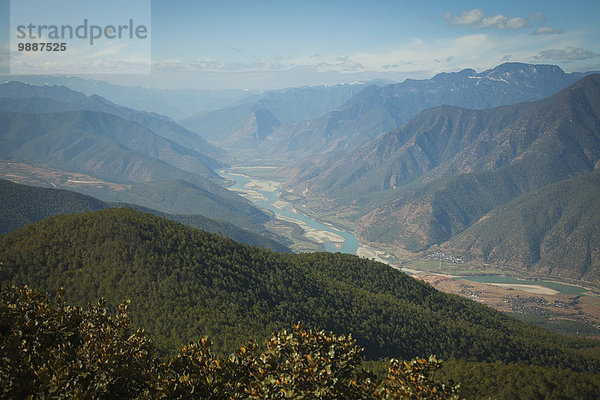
[564, 313]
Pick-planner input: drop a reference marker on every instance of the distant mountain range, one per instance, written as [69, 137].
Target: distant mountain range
[438, 175]
[101, 144]
[450, 167]
[285, 106]
[176, 103]
[21, 97]
[376, 110]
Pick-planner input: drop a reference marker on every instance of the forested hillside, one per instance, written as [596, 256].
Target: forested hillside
[22, 204]
[185, 283]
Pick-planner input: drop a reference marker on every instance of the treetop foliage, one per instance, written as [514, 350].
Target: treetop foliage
[53, 350]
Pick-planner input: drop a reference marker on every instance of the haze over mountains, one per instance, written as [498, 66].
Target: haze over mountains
[45, 99]
[284, 106]
[379, 109]
[176, 103]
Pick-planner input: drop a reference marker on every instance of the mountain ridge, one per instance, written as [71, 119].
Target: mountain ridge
[20, 97]
[375, 110]
[104, 137]
[260, 124]
[286, 105]
[448, 167]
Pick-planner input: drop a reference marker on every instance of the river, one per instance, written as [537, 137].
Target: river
[265, 194]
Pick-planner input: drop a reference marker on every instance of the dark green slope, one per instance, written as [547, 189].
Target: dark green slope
[181, 197]
[21, 205]
[550, 231]
[186, 283]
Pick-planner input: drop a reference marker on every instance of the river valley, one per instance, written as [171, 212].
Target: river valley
[565, 308]
[264, 193]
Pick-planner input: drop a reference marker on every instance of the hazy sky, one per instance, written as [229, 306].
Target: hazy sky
[265, 44]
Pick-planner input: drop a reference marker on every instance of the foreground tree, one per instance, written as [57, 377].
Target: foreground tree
[52, 350]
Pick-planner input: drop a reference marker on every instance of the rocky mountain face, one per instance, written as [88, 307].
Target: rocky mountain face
[551, 231]
[260, 124]
[449, 167]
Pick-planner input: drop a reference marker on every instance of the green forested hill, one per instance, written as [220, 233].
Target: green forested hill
[185, 283]
[22, 204]
[543, 230]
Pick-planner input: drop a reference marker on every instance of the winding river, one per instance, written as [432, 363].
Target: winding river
[265, 195]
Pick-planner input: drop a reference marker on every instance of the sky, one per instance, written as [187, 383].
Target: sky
[270, 44]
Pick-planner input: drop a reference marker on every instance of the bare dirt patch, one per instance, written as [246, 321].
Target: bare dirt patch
[45, 176]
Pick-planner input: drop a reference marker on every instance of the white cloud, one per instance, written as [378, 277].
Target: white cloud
[421, 54]
[475, 50]
[416, 57]
[567, 54]
[108, 50]
[477, 19]
[538, 16]
[546, 30]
